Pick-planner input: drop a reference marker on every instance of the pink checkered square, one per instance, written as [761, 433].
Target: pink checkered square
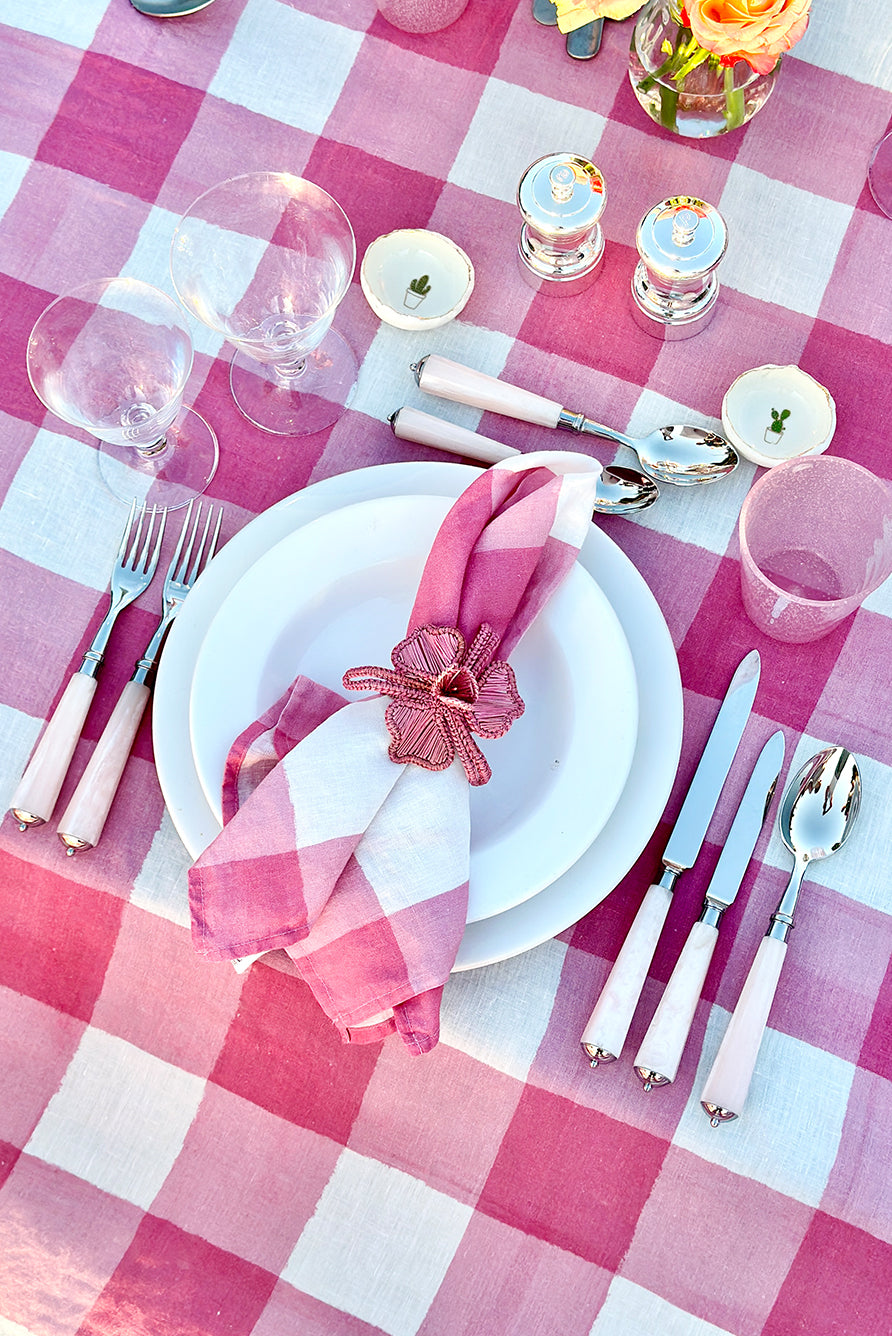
[58, 936]
[61, 1241]
[253, 1203]
[274, 1004]
[857, 1190]
[167, 1273]
[161, 1020]
[38, 1043]
[586, 1177]
[853, 1294]
[55, 250]
[715, 1243]
[405, 80]
[103, 137]
[37, 73]
[501, 1280]
[413, 1117]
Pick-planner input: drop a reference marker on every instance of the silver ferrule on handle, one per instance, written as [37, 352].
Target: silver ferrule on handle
[584, 426]
[149, 660]
[95, 655]
[780, 925]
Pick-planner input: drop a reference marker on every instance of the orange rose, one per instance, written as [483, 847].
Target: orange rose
[757, 31]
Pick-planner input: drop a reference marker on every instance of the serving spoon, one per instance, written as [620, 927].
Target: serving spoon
[816, 818]
[618, 489]
[681, 455]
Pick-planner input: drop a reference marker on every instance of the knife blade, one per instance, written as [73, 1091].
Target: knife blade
[609, 1023]
[657, 1059]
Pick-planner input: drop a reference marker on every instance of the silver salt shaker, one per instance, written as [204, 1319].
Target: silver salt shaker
[675, 285]
[561, 198]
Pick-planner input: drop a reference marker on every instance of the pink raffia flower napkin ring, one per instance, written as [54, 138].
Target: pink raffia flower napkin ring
[442, 692]
[347, 825]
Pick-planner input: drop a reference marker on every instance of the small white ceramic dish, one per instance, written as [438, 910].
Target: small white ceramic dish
[416, 279]
[773, 413]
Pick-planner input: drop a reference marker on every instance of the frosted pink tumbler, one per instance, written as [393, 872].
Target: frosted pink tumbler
[815, 540]
[421, 16]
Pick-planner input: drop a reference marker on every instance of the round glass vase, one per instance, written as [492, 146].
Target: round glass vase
[682, 89]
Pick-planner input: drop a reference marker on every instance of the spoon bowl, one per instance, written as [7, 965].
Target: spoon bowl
[680, 455]
[820, 805]
[621, 489]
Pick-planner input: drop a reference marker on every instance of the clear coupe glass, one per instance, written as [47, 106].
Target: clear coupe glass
[879, 174]
[113, 357]
[264, 260]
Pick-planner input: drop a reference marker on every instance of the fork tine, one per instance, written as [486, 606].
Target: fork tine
[122, 546]
[145, 563]
[182, 538]
[196, 565]
[135, 534]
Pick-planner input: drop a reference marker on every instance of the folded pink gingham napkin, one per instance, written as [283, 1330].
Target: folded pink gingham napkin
[347, 825]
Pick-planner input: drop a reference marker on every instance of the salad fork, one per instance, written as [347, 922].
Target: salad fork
[35, 797]
[84, 817]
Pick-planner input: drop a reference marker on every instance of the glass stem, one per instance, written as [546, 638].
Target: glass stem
[150, 451]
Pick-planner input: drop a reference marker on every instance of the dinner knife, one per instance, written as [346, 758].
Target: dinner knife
[606, 1031]
[657, 1059]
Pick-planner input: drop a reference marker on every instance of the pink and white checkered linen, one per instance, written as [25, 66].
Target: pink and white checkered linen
[356, 864]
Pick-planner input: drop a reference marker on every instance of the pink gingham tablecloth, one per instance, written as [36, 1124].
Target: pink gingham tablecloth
[188, 1151]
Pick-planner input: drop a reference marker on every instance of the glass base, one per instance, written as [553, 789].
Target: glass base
[179, 471]
[301, 404]
[879, 175]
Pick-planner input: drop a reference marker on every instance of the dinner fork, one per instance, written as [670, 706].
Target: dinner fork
[137, 556]
[84, 817]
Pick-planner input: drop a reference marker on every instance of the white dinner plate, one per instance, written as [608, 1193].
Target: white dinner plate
[658, 746]
[338, 592]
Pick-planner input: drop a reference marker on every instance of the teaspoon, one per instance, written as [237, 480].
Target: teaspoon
[619, 489]
[817, 815]
[681, 455]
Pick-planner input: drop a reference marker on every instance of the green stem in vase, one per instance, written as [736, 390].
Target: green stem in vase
[735, 108]
[680, 50]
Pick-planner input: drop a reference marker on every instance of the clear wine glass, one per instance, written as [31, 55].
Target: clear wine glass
[112, 357]
[879, 174]
[264, 259]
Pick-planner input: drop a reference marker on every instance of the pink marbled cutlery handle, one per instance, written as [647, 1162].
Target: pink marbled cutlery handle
[609, 1023]
[410, 424]
[728, 1083]
[656, 1061]
[84, 817]
[35, 797]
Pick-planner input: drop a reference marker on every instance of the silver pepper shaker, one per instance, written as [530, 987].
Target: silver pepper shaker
[675, 285]
[561, 198]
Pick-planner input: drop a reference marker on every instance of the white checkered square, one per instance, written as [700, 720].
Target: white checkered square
[379, 1244]
[12, 173]
[18, 734]
[536, 124]
[843, 36]
[59, 515]
[160, 885]
[73, 24]
[386, 382]
[783, 241]
[119, 1118]
[499, 1014]
[630, 1310]
[796, 1087]
[286, 65]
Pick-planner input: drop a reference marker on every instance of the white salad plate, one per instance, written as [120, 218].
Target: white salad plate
[337, 593]
[658, 744]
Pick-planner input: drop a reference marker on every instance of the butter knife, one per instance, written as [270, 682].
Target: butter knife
[606, 1031]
